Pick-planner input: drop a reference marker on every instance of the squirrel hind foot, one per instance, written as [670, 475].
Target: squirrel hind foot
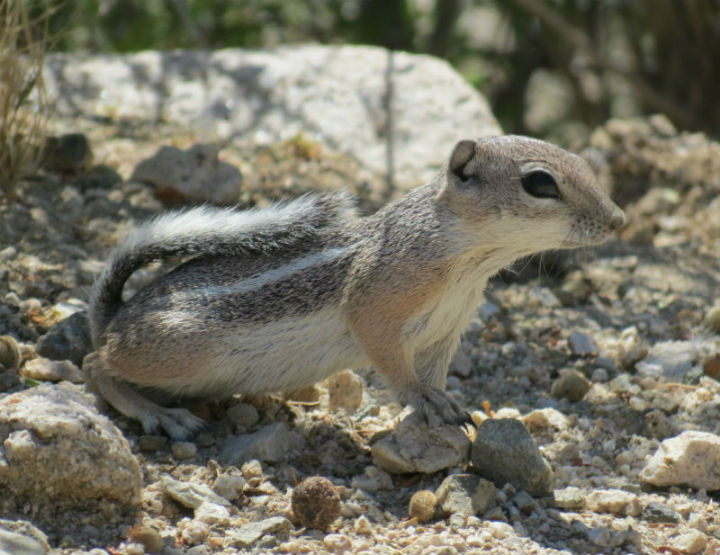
[177, 423]
[436, 407]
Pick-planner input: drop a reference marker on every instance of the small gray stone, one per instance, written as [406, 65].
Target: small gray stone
[190, 494]
[670, 359]
[69, 153]
[712, 318]
[230, 484]
[272, 443]
[413, 446]
[243, 414]
[183, 450]
[68, 339]
[659, 512]
[196, 173]
[467, 494]
[525, 502]
[251, 533]
[659, 425]
[504, 451]
[582, 344]
[571, 385]
[100, 176]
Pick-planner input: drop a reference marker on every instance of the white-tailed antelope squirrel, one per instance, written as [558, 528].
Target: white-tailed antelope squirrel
[278, 299]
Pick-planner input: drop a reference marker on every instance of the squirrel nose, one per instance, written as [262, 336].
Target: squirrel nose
[618, 219]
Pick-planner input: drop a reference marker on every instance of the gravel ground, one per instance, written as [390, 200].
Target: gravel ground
[603, 354]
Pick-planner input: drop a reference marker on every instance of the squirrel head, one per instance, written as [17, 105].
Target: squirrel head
[517, 190]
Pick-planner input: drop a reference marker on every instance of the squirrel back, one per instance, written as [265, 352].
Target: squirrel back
[294, 226]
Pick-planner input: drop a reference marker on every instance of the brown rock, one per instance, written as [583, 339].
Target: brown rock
[316, 503]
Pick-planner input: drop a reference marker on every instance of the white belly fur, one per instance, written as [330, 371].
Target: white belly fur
[289, 354]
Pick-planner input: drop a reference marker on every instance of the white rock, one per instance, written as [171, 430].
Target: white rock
[691, 542]
[613, 501]
[230, 484]
[189, 494]
[250, 533]
[56, 451]
[688, 459]
[415, 447]
[52, 370]
[212, 514]
[545, 418]
[467, 494]
[337, 94]
[18, 537]
[671, 359]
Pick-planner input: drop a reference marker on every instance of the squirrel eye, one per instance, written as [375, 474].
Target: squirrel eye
[540, 184]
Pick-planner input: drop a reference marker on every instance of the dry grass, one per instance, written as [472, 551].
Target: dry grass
[23, 104]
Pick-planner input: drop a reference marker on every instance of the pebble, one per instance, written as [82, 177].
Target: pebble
[338, 543]
[599, 375]
[69, 339]
[569, 498]
[540, 419]
[250, 533]
[148, 537]
[9, 352]
[669, 359]
[525, 502]
[230, 484]
[193, 532]
[315, 502]
[423, 505]
[712, 318]
[243, 414]
[362, 525]
[16, 543]
[212, 514]
[571, 385]
[690, 542]
[711, 366]
[44, 369]
[487, 310]
[345, 390]
[466, 494]
[196, 174]
[505, 452]
[413, 446]
[69, 153]
[183, 450]
[272, 443]
[615, 501]
[690, 458]
[581, 344]
[190, 494]
[659, 512]
[134, 549]
[659, 425]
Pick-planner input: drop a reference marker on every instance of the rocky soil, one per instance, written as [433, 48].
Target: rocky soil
[593, 383]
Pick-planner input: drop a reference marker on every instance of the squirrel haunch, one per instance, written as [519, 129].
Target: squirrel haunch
[277, 299]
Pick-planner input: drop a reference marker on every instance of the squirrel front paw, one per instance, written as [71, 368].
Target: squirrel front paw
[433, 404]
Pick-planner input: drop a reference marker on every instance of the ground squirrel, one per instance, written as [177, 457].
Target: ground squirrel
[277, 299]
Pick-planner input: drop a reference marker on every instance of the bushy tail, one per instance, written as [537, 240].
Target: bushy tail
[298, 224]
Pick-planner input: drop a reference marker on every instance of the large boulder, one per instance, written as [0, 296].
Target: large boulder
[397, 113]
[57, 451]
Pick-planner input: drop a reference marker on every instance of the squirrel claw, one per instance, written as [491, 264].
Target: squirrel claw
[437, 408]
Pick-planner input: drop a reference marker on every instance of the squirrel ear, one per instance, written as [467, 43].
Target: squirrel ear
[462, 153]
